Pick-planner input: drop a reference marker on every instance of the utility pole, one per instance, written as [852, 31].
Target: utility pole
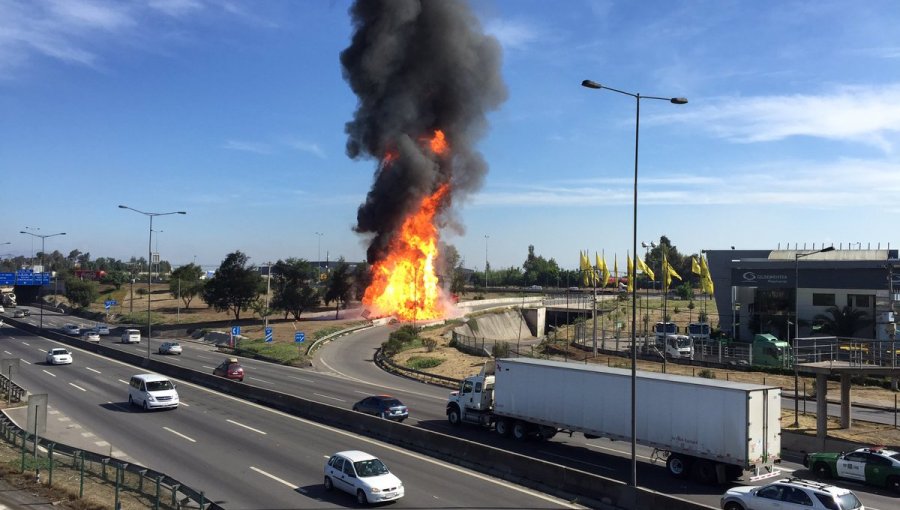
[268, 287]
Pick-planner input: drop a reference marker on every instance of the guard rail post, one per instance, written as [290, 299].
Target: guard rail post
[50, 456]
[156, 501]
[117, 485]
[23, 451]
[81, 480]
[175, 494]
[141, 472]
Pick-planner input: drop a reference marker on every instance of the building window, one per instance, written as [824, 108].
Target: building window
[823, 300]
[859, 300]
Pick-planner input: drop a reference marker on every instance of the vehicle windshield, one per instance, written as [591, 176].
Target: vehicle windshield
[895, 456]
[849, 501]
[683, 342]
[392, 403]
[159, 385]
[371, 467]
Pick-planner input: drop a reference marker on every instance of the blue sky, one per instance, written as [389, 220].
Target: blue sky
[234, 112]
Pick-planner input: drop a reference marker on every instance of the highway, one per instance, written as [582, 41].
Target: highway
[241, 454]
[344, 373]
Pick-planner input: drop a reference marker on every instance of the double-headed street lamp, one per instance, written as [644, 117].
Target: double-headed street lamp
[637, 125]
[43, 237]
[797, 257]
[151, 215]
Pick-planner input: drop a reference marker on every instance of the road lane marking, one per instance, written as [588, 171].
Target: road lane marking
[7, 352]
[203, 357]
[123, 382]
[92, 370]
[273, 477]
[180, 434]
[260, 380]
[26, 362]
[246, 427]
[614, 450]
[78, 387]
[329, 396]
[26, 343]
[48, 373]
[302, 379]
[205, 366]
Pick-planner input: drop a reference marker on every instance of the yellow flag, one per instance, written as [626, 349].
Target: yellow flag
[646, 270]
[630, 273]
[695, 267]
[706, 282]
[585, 267]
[604, 271]
[668, 274]
[616, 272]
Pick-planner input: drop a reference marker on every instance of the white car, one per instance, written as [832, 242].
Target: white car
[362, 475]
[71, 329]
[131, 336]
[170, 348]
[102, 329]
[58, 356]
[91, 335]
[790, 493]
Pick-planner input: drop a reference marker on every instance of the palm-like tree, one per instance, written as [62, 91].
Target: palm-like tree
[842, 321]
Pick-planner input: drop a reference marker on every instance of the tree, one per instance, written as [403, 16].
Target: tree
[234, 287]
[844, 321]
[81, 293]
[362, 277]
[293, 283]
[116, 278]
[338, 286]
[539, 270]
[185, 283]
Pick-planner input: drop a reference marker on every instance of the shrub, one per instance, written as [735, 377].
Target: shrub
[430, 344]
[500, 350]
[421, 363]
[706, 374]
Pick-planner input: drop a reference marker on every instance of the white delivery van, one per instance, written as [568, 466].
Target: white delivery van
[152, 391]
[131, 336]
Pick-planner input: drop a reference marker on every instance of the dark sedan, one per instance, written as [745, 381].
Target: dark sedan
[384, 406]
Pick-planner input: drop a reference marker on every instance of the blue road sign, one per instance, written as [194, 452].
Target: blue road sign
[235, 330]
[299, 336]
[106, 305]
[31, 278]
[113, 302]
[7, 278]
[268, 334]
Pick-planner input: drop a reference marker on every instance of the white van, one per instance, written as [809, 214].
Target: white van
[152, 391]
[131, 336]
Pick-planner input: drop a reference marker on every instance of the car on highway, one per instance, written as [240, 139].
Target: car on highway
[790, 493]
[152, 391]
[230, 369]
[535, 288]
[91, 336]
[71, 329]
[131, 336]
[384, 406]
[362, 475]
[102, 329]
[170, 348]
[875, 465]
[59, 356]
[19, 314]
[2, 310]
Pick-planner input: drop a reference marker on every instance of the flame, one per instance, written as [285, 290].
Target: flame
[405, 282]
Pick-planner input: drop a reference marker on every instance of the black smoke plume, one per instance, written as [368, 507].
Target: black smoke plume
[417, 66]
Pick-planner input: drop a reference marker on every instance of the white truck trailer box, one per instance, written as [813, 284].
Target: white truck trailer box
[696, 424]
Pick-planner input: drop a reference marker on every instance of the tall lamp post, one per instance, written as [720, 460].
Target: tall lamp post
[797, 257]
[157, 253]
[319, 252]
[486, 237]
[637, 126]
[32, 243]
[43, 237]
[151, 215]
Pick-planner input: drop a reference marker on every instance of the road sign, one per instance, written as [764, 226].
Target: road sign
[31, 278]
[299, 336]
[235, 330]
[7, 278]
[106, 305]
[268, 334]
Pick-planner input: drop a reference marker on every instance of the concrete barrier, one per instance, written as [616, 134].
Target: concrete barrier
[562, 481]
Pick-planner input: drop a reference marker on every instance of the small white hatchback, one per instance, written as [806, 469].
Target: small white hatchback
[362, 475]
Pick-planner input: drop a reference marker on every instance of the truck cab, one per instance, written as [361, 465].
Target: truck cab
[661, 329]
[676, 346]
[769, 351]
[474, 400]
[699, 332]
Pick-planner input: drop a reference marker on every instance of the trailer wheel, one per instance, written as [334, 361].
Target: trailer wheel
[546, 432]
[677, 465]
[704, 472]
[503, 427]
[520, 430]
[453, 416]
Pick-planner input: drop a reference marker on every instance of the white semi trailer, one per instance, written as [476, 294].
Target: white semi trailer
[713, 431]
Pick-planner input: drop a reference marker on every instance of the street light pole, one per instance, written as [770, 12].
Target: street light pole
[32, 243]
[151, 215]
[637, 126]
[486, 237]
[319, 252]
[797, 257]
[43, 237]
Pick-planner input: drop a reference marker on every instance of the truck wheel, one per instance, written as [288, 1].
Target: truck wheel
[503, 427]
[704, 472]
[520, 430]
[453, 416]
[677, 466]
[547, 432]
[822, 470]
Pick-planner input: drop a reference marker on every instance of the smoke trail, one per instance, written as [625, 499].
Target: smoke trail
[417, 66]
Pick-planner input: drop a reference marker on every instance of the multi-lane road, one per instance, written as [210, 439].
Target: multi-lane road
[344, 373]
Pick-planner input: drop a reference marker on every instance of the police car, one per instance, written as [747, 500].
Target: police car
[875, 465]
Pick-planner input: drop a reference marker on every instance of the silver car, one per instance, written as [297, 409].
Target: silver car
[170, 348]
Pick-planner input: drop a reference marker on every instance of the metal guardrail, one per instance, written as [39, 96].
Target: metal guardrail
[854, 352]
[388, 365]
[161, 490]
[13, 391]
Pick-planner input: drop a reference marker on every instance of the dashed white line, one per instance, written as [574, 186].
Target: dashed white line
[77, 387]
[246, 427]
[180, 435]
[92, 370]
[203, 357]
[7, 352]
[301, 379]
[123, 382]
[26, 362]
[49, 373]
[329, 396]
[208, 367]
[26, 343]
[273, 477]
[260, 380]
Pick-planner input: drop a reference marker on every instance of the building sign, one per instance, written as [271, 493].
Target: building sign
[762, 278]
